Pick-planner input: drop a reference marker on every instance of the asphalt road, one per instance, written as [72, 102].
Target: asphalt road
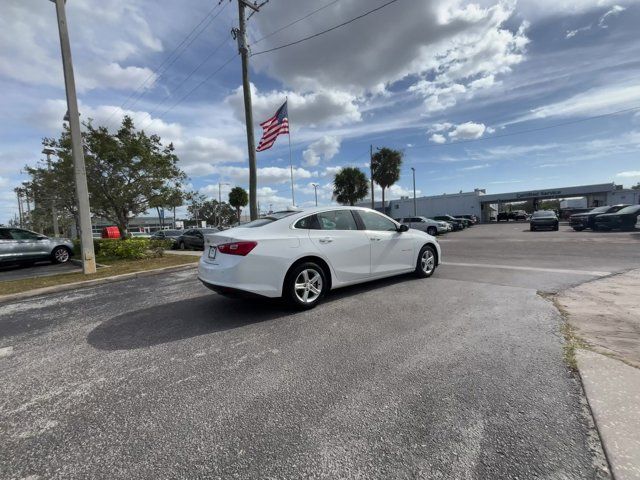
[40, 269]
[457, 376]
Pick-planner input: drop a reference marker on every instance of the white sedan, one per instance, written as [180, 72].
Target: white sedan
[301, 255]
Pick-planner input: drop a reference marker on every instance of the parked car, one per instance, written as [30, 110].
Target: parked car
[505, 216]
[139, 235]
[520, 215]
[456, 223]
[171, 235]
[302, 255]
[580, 221]
[194, 238]
[432, 227]
[624, 219]
[472, 218]
[544, 219]
[638, 223]
[26, 247]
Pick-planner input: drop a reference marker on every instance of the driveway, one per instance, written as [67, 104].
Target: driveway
[457, 376]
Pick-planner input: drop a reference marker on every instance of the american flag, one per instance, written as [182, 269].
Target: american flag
[276, 125]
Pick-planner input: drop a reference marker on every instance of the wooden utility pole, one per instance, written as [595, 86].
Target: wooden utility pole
[373, 203]
[241, 36]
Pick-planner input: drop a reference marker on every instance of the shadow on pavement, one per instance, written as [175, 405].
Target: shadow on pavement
[204, 315]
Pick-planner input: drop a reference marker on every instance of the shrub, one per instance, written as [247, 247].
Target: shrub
[128, 249]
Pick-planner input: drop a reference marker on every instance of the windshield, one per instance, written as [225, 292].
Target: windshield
[545, 214]
[272, 217]
[600, 210]
[631, 209]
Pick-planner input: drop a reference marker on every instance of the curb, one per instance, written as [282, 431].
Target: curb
[91, 283]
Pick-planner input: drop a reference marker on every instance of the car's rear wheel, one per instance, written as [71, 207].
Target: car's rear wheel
[578, 229]
[556, 228]
[433, 231]
[60, 255]
[181, 245]
[426, 263]
[305, 285]
[532, 228]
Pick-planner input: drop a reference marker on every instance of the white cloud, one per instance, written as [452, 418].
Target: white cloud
[475, 167]
[266, 175]
[323, 150]
[537, 9]
[467, 131]
[322, 107]
[330, 171]
[594, 101]
[629, 174]
[613, 11]
[437, 138]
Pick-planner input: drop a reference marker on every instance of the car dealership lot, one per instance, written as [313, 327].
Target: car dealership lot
[457, 376]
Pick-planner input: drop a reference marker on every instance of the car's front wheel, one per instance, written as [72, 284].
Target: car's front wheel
[578, 229]
[426, 264]
[305, 285]
[433, 231]
[60, 255]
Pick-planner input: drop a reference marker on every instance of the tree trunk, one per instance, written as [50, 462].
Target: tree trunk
[238, 213]
[383, 209]
[159, 217]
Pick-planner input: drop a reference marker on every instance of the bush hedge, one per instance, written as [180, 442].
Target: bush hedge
[127, 249]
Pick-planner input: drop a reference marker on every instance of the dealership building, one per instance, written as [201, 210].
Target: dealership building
[485, 206]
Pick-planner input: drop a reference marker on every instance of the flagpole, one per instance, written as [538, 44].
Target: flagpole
[293, 198]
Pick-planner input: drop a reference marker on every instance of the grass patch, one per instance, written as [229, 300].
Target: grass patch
[572, 342]
[114, 267]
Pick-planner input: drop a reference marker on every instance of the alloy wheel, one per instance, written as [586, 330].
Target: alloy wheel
[308, 286]
[61, 255]
[427, 261]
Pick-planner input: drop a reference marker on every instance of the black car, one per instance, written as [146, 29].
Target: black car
[580, 221]
[544, 219]
[624, 219]
[172, 235]
[457, 223]
[194, 238]
[472, 218]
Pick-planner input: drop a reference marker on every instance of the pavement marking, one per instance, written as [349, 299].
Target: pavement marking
[532, 269]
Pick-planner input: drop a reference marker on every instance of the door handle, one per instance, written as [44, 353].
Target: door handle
[326, 240]
[375, 239]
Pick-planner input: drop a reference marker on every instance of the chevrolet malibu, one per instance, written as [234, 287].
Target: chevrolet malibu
[301, 255]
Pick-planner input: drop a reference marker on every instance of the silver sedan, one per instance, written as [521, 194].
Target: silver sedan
[24, 246]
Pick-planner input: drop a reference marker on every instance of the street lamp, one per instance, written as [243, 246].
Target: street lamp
[82, 190]
[315, 191]
[415, 207]
[54, 214]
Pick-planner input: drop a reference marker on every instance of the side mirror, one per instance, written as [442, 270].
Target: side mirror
[403, 228]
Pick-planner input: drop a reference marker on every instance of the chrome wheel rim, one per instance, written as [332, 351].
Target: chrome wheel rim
[308, 285]
[427, 261]
[61, 255]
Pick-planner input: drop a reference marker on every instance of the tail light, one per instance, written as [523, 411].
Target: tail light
[237, 248]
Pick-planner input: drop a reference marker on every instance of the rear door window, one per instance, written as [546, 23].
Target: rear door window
[376, 222]
[308, 223]
[337, 220]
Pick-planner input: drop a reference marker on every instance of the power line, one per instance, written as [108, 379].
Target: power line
[190, 92]
[324, 31]
[531, 130]
[295, 21]
[139, 92]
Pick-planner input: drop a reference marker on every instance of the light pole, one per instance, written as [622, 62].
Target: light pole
[415, 207]
[54, 214]
[19, 196]
[315, 191]
[80, 173]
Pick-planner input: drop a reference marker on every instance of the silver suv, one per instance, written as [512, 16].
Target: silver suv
[24, 246]
[432, 227]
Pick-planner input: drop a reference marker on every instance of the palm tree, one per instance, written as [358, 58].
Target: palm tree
[350, 185]
[238, 198]
[385, 168]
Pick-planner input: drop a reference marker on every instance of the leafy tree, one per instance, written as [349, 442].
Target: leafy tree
[212, 211]
[238, 198]
[385, 167]
[196, 201]
[128, 171]
[636, 187]
[350, 185]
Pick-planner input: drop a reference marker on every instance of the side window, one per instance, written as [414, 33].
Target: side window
[308, 223]
[23, 235]
[5, 235]
[337, 220]
[373, 221]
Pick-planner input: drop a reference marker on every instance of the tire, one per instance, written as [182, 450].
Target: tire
[426, 262]
[181, 245]
[433, 231]
[532, 228]
[60, 255]
[578, 229]
[556, 228]
[305, 285]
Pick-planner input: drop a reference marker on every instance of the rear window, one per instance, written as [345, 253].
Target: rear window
[600, 210]
[267, 220]
[544, 214]
[631, 209]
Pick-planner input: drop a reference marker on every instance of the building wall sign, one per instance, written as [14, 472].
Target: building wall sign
[540, 193]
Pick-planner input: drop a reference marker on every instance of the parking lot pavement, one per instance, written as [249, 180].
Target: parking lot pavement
[40, 269]
[457, 376]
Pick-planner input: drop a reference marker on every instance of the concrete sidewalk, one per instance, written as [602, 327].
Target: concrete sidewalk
[606, 316]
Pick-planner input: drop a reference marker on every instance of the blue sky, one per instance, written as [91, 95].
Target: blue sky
[450, 82]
